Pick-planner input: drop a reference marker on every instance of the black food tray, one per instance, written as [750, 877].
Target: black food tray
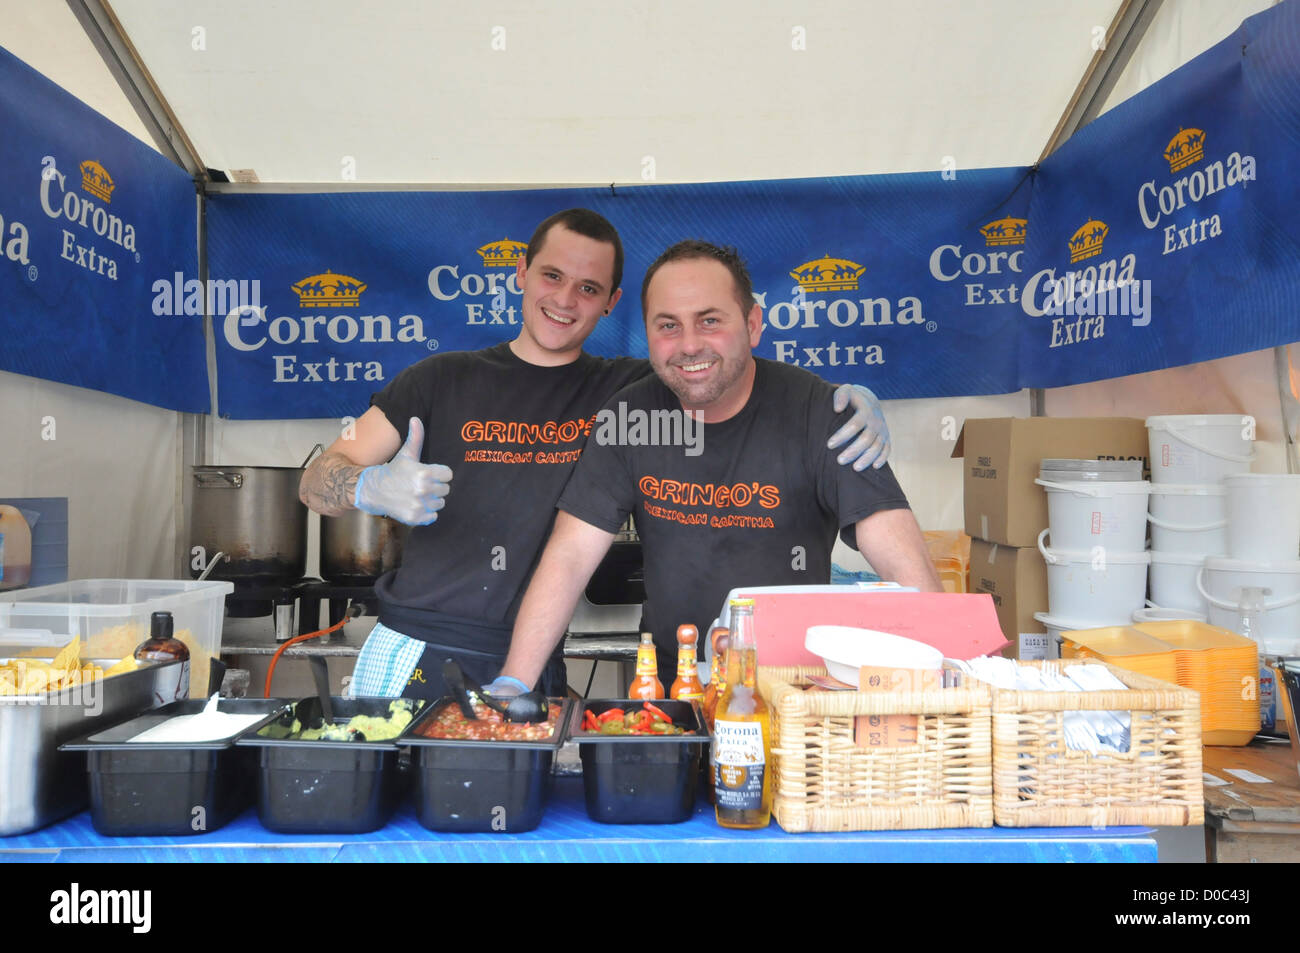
[328, 787]
[483, 786]
[170, 789]
[642, 779]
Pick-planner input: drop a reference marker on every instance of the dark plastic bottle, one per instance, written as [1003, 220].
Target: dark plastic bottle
[161, 646]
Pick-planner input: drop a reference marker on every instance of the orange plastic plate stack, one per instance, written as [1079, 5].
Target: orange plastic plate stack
[1221, 665]
[1126, 647]
[1224, 667]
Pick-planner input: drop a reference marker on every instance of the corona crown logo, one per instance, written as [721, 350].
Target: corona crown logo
[1087, 241]
[828, 274]
[1005, 231]
[96, 180]
[329, 290]
[502, 254]
[1187, 147]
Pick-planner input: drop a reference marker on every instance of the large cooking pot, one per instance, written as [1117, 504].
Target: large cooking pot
[357, 548]
[254, 516]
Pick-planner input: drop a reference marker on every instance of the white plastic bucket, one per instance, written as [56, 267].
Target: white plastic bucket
[1189, 518]
[1154, 614]
[1199, 448]
[1263, 511]
[1220, 584]
[1085, 514]
[1094, 471]
[1094, 584]
[1173, 581]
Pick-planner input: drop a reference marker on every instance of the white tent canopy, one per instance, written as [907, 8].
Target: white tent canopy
[329, 94]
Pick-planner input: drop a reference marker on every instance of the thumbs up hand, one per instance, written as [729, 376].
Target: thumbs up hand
[409, 491]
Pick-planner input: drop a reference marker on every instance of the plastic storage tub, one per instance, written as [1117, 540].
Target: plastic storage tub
[483, 786]
[326, 787]
[643, 779]
[171, 789]
[112, 616]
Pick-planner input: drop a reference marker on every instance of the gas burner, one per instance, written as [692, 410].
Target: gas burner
[296, 605]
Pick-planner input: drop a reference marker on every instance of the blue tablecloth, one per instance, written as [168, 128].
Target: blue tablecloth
[567, 834]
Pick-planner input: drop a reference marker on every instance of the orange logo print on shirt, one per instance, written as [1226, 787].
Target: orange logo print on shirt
[765, 496]
[518, 432]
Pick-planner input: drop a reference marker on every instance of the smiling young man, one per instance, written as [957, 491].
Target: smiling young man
[511, 421]
[759, 506]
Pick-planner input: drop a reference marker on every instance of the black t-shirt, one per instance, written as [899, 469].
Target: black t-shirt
[511, 432]
[758, 506]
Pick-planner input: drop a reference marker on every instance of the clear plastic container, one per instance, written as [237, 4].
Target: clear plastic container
[112, 617]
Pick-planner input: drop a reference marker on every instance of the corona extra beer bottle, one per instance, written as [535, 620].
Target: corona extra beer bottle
[742, 733]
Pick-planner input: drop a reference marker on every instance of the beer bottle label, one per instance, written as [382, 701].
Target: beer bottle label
[738, 764]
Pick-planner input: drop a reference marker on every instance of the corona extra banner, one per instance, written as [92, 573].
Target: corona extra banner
[1168, 231]
[92, 223]
[899, 281]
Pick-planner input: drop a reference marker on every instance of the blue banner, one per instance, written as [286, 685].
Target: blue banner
[1164, 233]
[94, 225]
[356, 286]
[1168, 231]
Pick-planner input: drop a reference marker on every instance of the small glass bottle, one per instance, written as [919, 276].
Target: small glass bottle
[742, 733]
[687, 686]
[646, 684]
[162, 646]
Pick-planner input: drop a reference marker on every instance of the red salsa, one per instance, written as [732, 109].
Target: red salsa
[489, 726]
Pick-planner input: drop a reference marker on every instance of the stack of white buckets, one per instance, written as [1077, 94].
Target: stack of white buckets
[1097, 561]
[1225, 543]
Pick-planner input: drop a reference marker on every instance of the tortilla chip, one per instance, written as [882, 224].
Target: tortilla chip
[127, 664]
[69, 656]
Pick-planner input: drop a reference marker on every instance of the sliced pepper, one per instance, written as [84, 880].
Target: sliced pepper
[607, 716]
[613, 727]
[644, 721]
[657, 712]
[589, 721]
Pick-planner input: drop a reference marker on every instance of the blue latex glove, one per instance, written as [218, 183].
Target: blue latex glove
[872, 445]
[409, 491]
[503, 686]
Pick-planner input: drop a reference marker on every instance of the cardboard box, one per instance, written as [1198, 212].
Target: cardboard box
[1003, 504]
[1017, 581]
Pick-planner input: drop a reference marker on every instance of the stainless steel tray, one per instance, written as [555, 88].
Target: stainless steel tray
[39, 784]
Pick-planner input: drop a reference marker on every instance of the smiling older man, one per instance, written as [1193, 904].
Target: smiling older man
[760, 505]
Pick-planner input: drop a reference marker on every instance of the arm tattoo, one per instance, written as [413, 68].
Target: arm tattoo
[329, 483]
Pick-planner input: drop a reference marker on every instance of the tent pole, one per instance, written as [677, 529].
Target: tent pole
[1122, 38]
[1125, 33]
[120, 56]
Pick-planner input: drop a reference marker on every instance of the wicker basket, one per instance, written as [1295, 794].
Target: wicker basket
[824, 782]
[1039, 782]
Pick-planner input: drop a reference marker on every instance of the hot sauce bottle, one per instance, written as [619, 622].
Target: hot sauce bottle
[687, 686]
[742, 733]
[646, 684]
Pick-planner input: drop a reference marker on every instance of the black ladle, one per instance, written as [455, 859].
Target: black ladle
[455, 679]
[530, 706]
